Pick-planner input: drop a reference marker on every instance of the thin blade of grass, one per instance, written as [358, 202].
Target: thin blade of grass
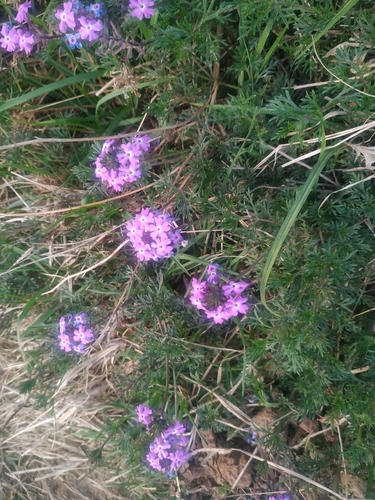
[329, 25]
[291, 217]
[16, 101]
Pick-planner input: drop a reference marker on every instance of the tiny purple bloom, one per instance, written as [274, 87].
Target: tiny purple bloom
[237, 305]
[80, 348]
[64, 342]
[89, 29]
[26, 41]
[73, 40]
[219, 315]
[115, 180]
[142, 8]
[66, 17]
[10, 38]
[144, 413]
[234, 287]
[142, 141]
[178, 458]
[175, 429]
[161, 446]
[21, 16]
[83, 335]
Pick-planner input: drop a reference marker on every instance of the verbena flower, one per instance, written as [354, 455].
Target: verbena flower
[219, 302]
[66, 17]
[120, 164]
[168, 451]
[144, 414]
[73, 40]
[26, 41]
[153, 235]
[142, 8]
[23, 9]
[9, 40]
[74, 334]
[97, 9]
[89, 29]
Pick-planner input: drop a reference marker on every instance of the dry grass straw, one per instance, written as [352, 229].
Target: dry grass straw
[42, 453]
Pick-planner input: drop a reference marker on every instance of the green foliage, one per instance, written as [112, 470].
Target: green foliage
[247, 99]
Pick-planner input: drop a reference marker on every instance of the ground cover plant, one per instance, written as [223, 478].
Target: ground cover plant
[187, 249]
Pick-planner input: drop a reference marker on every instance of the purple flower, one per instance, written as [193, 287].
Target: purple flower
[130, 155]
[145, 218]
[159, 228]
[80, 348]
[178, 458]
[89, 29]
[64, 342]
[74, 335]
[26, 41]
[154, 461]
[143, 414]
[142, 8]
[237, 305]
[175, 429]
[62, 325]
[115, 180]
[160, 447]
[73, 40]
[97, 9]
[130, 173]
[21, 16]
[135, 232]
[107, 146]
[213, 273]
[143, 251]
[233, 287]
[83, 335]
[152, 235]
[66, 17]
[219, 315]
[9, 41]
[142, 141]
[80, 319]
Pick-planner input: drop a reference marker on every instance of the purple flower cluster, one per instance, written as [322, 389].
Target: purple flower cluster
[142, 8]
[19, 38]
[152, 235]
[219, 302]
[167, 452]
[74, 334]
[121, 164]
[78, 22]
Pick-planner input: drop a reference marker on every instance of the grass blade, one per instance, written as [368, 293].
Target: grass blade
[331, 23]
[291, 217]
[45, 89]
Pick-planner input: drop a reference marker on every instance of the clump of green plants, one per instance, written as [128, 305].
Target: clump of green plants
[196, 177]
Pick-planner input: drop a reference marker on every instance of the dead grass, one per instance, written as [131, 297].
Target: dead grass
[42, 455]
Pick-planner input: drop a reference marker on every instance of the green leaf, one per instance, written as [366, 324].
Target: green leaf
[291, 217]
[331, 23]
[45, 89]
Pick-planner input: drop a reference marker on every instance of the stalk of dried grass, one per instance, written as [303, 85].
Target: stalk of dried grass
[41, 453]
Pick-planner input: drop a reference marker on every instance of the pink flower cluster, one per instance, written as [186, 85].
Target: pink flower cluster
[121, 164]
[142, 8]
[79, 22]
[18, 39]
[74, 335]
[167, 452]
[219, 302]
[152, 235]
